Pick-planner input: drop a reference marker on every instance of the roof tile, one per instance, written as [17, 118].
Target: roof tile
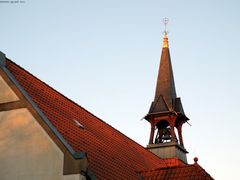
[184, 172]
[109, 151]
[111, 154]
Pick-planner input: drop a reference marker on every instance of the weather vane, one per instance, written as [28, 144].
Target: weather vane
[165, 22]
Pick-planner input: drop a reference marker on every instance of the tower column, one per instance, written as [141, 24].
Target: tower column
[151, 133]
[172, 134]
[179, 128]
[172, 125]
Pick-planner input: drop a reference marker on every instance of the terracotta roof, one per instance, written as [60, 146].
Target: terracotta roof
[111, 154]
[174, 162]
[185, 172]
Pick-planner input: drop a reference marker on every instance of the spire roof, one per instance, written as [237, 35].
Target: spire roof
[165, 93]
[166, 99]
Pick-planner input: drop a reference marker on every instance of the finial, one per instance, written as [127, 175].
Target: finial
[165, 22]
[195, 160]
[165, 32]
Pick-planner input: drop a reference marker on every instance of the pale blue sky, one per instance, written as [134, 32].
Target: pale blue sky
[104, 55]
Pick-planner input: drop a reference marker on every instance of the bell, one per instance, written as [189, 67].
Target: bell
[166, 137]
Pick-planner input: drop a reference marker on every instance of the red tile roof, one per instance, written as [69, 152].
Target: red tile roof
[111, 154]
[174, 162]
[185, 172]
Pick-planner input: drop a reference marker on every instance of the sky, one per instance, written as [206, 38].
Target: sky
[104, 55]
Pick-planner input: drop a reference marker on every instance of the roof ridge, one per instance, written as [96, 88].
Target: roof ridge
[176, 166]
[79, 106]
[163, 168]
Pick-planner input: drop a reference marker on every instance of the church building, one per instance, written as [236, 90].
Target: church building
[46, 136]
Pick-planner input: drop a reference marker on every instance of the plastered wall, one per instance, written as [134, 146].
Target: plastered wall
[26, 151]
[6, 94]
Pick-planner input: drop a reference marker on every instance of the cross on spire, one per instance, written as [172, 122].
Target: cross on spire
[165, 22]
[165, 32]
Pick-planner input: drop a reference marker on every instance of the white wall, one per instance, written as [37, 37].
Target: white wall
[6, 94]
[26, 151]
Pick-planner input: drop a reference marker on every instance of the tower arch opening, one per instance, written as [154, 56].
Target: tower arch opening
[163, 134]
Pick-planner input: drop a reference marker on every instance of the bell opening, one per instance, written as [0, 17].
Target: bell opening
[163, 133]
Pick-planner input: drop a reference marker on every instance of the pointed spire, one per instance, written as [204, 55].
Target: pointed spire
[165, 92]
[166, 99]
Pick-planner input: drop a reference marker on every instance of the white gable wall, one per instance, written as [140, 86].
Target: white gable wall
[26, 151]
[6, 94]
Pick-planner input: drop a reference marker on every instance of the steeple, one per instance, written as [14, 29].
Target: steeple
[166, 113]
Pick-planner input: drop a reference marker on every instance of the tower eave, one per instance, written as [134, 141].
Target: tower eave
[180, 116]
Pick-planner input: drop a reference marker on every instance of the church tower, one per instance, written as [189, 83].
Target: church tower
[166, 114]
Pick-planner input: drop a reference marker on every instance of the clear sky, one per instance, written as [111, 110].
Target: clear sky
[104, 55]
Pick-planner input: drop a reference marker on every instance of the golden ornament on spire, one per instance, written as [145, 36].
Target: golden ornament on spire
[165, 38]
[165, 41]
